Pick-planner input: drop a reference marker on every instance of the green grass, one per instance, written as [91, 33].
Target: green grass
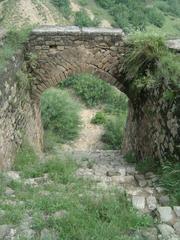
[96, 92]
[14, 41]
[98, 11]
[160, 16]
[92, 213]
[60, 116]
[63, 6]
[168, 173]
[99, 119]
[92, 90]
[83, 20]
[145, 165]
[170, 180]
[114, 131]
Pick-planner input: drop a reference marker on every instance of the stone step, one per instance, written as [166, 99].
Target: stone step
[107, 156]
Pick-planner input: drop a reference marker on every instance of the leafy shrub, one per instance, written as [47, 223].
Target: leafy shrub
[83, 20]
[155, 17]
[114, 130]
[60, 114]
[162, 5]
[92, 90]
[64, 6]
[116, 102]
[99, 118]
[83, 2]
[127, 14]
[174, 7]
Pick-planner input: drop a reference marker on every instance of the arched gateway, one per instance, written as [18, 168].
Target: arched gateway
[54, 53]
[60, 52]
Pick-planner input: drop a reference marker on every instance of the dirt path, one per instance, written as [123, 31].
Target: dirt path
[74, 6]
[30, 13]
[90, 135]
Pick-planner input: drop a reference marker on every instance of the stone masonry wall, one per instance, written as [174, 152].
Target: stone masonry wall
[16, 115]
[54, 53]
[153, 127]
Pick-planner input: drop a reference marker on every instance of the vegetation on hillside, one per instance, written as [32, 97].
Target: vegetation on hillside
[82, 19]
[139, 14]
[63, 6]
[161, 16]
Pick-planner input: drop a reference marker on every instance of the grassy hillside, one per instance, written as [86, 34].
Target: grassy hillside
[160, 16]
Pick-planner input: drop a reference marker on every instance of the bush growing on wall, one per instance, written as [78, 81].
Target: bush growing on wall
[14, 40]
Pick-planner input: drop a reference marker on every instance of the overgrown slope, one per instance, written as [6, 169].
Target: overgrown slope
[161, 16]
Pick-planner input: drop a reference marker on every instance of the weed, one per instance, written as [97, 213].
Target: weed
[170, 180]
[146, 165]
[25, 156]
[114, 129]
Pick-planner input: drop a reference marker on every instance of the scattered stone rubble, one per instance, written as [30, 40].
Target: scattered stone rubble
[143, 191]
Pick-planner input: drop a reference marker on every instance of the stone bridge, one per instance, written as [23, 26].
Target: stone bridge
[54, 53]
[62, 52]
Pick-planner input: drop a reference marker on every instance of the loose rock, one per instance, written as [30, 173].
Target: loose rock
[150, 234]
[4, 231]
[151, 203]
[141, 180]
[177, 211]
[177, 227]
[13, 175]
[166, 215]
[46, 234]
[164, 200]
[138, 202]
[112, 173]
[60, 214]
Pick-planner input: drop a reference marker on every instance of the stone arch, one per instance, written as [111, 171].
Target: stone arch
[55, 53]
[63, 52]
